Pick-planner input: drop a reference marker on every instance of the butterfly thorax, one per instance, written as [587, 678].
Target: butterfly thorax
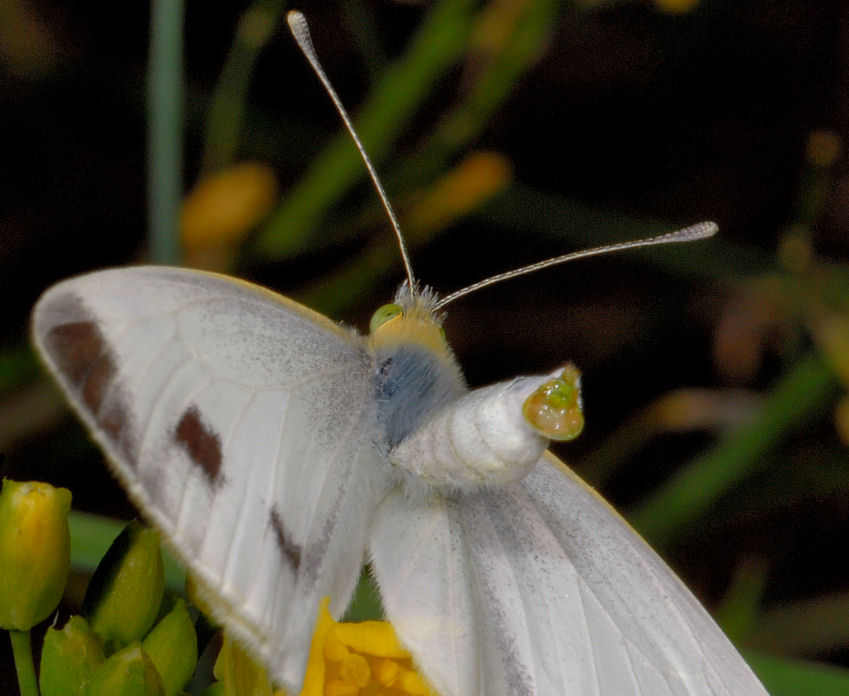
[416, 372]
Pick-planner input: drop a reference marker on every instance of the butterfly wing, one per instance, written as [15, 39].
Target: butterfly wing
[241, 424]
[539, 587]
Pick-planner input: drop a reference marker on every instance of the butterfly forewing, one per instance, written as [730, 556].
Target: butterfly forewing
[241, 423]
[543, 589]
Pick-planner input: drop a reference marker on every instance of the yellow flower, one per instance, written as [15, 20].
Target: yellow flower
[353, 659]
[346, 659]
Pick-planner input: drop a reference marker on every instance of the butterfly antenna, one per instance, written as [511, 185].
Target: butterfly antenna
[300, 30]
[688, 234]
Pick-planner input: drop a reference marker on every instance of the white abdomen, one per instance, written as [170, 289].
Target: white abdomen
[480, 439]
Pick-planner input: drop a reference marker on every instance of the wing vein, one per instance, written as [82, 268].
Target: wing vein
[632, 668]
[190, 397]
[333, 465]
[500, 551]
[281, 431]
[243, 506]
[454, 594]
[157, 402]
[590, 642]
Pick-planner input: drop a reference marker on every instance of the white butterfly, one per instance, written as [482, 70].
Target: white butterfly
[277, 452]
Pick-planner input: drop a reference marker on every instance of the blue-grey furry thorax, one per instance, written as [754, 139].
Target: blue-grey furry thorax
[411, 383]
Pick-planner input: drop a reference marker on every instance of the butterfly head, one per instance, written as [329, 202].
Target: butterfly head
[410, 319]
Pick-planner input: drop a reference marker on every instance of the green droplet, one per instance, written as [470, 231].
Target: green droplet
[560, 394]
[554, 410]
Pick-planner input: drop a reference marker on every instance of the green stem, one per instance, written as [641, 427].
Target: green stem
[22, 650]
[785, 676]
[165, 114]
[227, 106]
[439, 43]
[495, 77]
[18, 366]
[813, 625]
[800, 394]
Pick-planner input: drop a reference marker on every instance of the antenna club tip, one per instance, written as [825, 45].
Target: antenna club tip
[297, 21]
[703, 230]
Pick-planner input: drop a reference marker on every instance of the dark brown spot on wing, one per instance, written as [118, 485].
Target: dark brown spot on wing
[114, 421]
[288, 548]
[96, 383]
[75, 347]
[82, 355]
[201, 443]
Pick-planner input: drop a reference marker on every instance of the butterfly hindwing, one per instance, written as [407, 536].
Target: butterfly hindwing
[242, 425]
[541, 588]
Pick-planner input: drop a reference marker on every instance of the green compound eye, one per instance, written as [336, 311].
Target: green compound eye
[384, 314]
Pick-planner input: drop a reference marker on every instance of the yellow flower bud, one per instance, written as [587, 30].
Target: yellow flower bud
[123, 597]
[129, 672]
[35, 548]
[173, 646]
[68, 658]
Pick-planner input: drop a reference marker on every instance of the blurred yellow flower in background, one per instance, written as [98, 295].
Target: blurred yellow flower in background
[676, 6]
[475, 179]
[222, 209]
